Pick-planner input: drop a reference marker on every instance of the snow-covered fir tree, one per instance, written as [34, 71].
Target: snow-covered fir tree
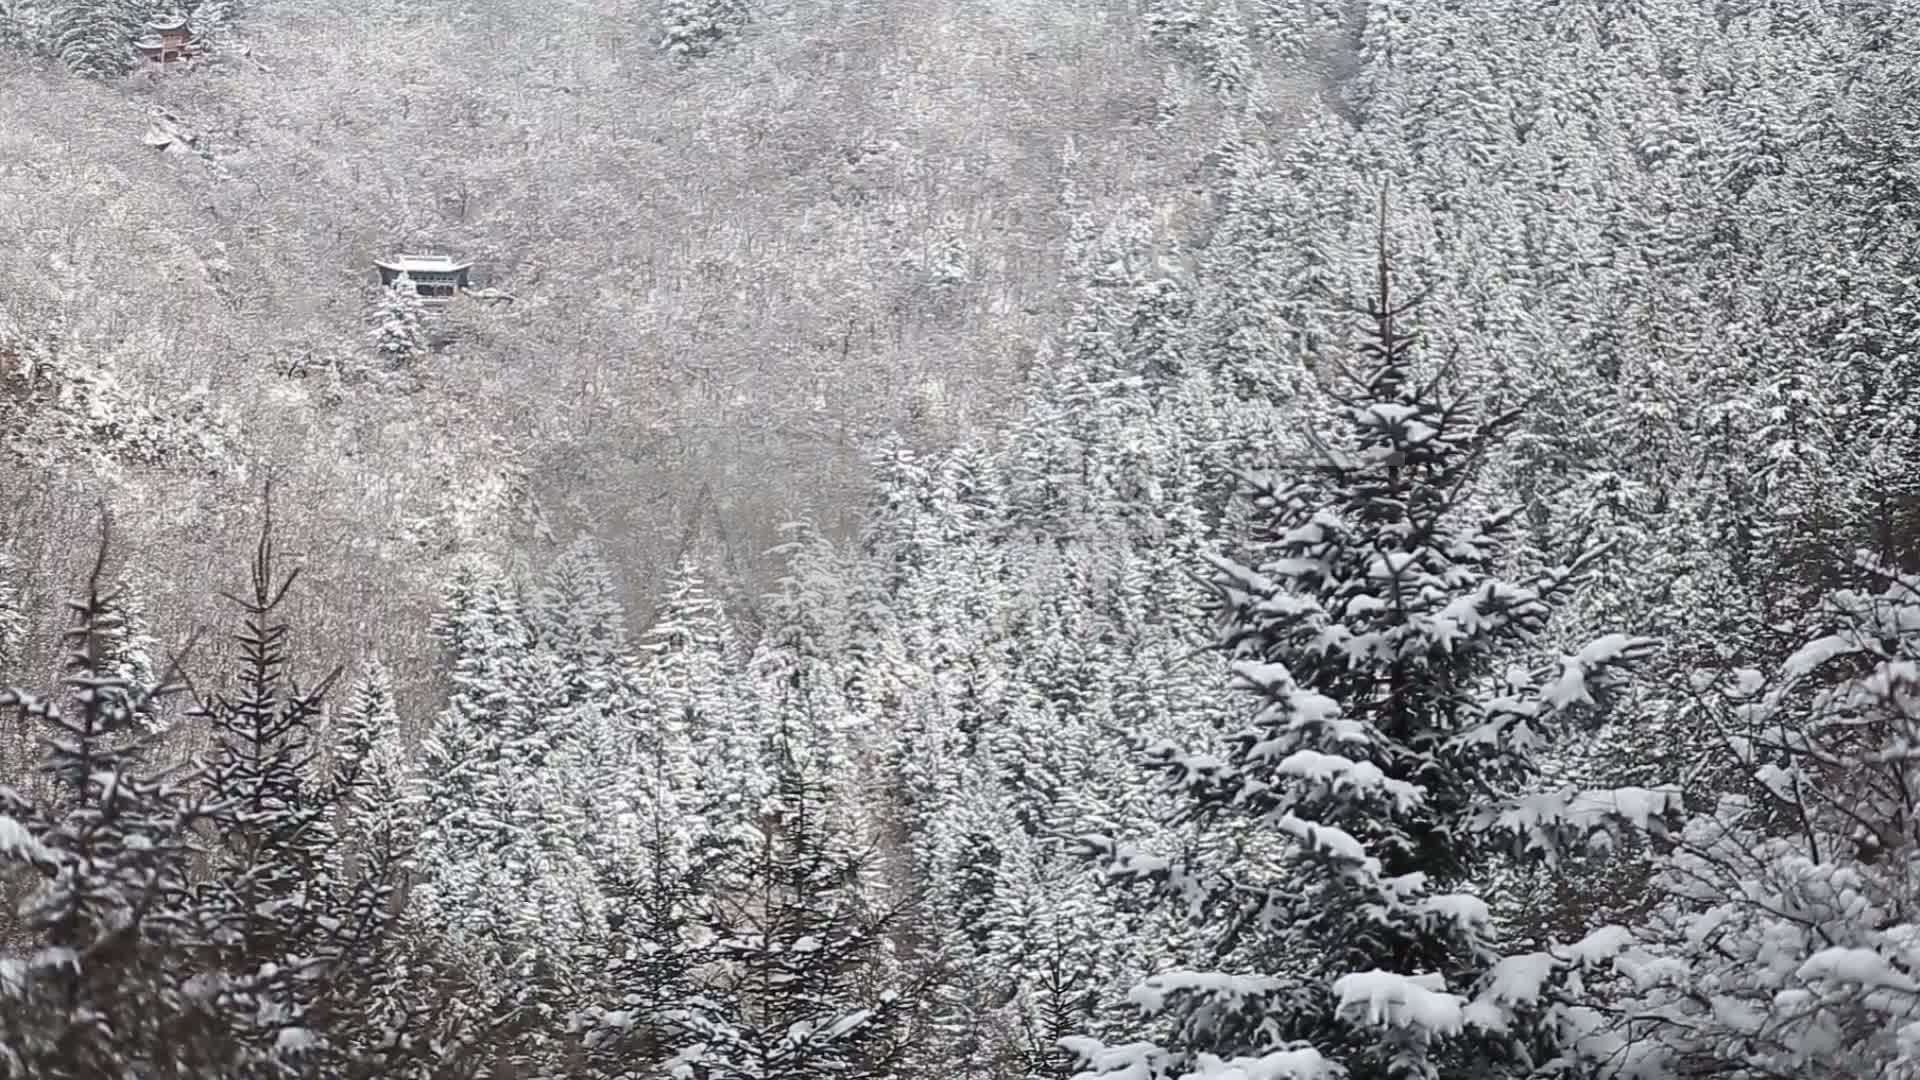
[652, 959]
[1402, 706]
[795, 938]
[270, 899]
[24, 24]
[13, 620]
[95, 982]
[399, 332]
[94, 38]
[695, 28]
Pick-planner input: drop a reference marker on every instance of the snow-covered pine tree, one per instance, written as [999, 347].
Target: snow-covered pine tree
[576, 613]
[378, 998]
[807, 618]
[273, 835]
[127, 646]
[696, 28]
[703, 707]
[948, 262]
[1225, 61]
[13, 622]
[794, 937]
[293, 926]
[212, 21]
[94, 38]
[23, 25]
[1173, 22]
[649, 963]
[1388, 766]
[98, 959]
[399, 331]
[500, 884]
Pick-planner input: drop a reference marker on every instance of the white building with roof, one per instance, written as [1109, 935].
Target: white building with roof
[435, 278]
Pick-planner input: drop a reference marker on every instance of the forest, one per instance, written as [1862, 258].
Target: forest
[961, 540]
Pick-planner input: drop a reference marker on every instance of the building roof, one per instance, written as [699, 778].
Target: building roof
[413, 264]
[152, 44]
[167, 22]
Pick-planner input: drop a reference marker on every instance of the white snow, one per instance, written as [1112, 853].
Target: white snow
[1326, 838]
[1389, 999]
[1463, 908]
[1815, 653]
[16, 841]
[1341, 773]
[1855, 965]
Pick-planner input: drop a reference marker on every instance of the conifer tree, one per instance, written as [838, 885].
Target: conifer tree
[94, 38]
[1225, 61]
[1402, 708]
[268, 899]
[503, 885]
[13, 621]
[1173, 22]
[297, 921]
[703, 709]
[793, 935]
[211, 21]
[399, 330]
[650, 961]
[23, 24]
[696, 28]
[576, 613]
[95, 983]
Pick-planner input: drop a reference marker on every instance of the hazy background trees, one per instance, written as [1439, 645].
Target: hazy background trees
[728, 274]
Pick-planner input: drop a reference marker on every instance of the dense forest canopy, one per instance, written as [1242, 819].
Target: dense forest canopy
[1166, 540]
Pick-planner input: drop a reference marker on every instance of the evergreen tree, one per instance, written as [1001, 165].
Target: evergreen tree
[211, 21]
[948, 260]
[13, 622]
[23, 24]
[651, 960]
[576, 613]
[1389, 766]
[1173, 22]
[95, 984]
[94, 38]
[696, 28]
[297, 921]
[503, 886]
[793, 934]
[269, 900]
[696, 685]
[380, 1013]
[399, 330]
[1225, 60]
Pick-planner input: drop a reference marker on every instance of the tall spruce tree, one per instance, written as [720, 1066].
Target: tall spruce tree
[268, 897]
[795, 941]
[13, 621]
[298, 925]
[94, 38]
[399, 332]
[1401, 708]
[696, 28]
[96, 961]
[377, 1004]
[649, 963]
